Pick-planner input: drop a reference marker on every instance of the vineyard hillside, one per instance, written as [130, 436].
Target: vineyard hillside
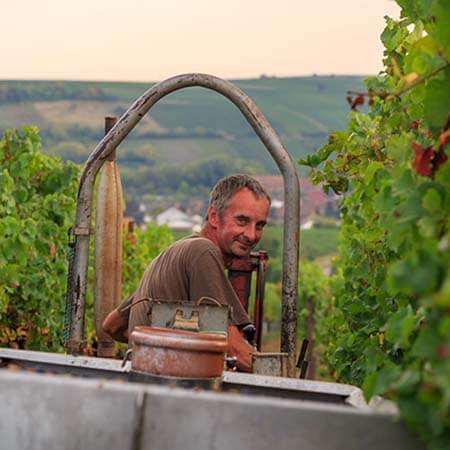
[189, 125]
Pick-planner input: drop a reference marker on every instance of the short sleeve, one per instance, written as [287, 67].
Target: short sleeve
[125, 306]
[207, 278]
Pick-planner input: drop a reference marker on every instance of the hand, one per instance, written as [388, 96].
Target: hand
[116, 326]
[239, 348]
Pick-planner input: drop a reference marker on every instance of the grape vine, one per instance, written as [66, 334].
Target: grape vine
[37, 208]
[388, 318]
[37, 200]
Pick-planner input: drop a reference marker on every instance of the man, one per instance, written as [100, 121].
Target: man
[193, 267]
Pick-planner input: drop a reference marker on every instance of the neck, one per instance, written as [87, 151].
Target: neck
[209, 232]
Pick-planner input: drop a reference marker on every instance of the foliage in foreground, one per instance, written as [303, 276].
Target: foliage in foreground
[388, 323]
[37, 201]
[37, 208]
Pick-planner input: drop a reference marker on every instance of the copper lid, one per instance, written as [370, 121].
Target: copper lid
[179, 339]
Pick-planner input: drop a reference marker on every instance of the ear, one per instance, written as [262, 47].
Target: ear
[213, 217]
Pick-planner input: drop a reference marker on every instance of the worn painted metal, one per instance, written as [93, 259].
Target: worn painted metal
[119, 132]
[178, 353]
[210, 317]
[259, 298]
[107, 248]
[264, 385]
[54, 412]
[273, 364]
[240, 276]
[82, 366]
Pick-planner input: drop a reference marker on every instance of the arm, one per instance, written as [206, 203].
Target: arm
[208, 279]
[116, 322]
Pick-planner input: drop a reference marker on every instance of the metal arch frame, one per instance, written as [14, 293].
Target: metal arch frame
[117, 134]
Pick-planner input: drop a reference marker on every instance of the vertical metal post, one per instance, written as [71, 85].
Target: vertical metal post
[109, 123]
[258, 315]
[240, 276]
[107, 249]
[289, 285]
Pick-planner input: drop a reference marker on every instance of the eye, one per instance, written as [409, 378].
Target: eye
[242, 220]
[260, 226]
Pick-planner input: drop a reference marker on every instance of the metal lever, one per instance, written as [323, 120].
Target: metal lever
[302, 363]
[126, 357]
[231, 363]
[249, 332]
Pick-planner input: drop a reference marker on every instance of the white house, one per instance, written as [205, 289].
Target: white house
[175, 219]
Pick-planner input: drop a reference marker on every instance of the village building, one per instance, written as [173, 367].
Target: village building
[178, 220]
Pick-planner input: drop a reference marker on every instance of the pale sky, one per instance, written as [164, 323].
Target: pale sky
[148, 40]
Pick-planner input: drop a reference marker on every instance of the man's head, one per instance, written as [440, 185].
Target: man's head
[237, 213]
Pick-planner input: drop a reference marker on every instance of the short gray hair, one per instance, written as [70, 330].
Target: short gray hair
[227, 187]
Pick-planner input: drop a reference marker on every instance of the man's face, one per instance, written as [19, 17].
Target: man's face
[240, 226]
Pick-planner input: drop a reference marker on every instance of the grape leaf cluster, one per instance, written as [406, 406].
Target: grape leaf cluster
[386, 325]
[37, 208]
[37, 201]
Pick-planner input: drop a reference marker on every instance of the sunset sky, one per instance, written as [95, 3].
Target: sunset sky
[146, 40]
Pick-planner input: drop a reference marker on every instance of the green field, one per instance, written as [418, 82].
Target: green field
[185, 128]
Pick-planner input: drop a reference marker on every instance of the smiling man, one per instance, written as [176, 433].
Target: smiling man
[194, 267]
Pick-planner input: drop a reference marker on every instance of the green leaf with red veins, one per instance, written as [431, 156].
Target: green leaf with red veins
[437, 100]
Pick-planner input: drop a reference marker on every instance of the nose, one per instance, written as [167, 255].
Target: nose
[250, 233]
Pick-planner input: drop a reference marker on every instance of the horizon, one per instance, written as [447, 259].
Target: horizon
[261, 77]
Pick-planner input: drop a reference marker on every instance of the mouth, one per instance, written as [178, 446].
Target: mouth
[246, 246]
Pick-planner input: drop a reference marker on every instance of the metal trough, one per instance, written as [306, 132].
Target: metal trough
[91, 406]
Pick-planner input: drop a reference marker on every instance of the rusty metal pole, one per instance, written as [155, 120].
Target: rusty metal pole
[240, 276]
[258, 315]
[272, 143]
[108, 248]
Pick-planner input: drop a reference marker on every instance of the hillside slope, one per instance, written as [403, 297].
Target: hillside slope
[185, 128]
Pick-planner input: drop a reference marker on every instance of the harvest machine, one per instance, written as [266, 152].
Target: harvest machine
[71, 401]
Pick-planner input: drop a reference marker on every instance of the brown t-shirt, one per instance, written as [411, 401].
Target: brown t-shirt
[189, 269]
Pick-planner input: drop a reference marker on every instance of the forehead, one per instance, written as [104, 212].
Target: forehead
[247, 203]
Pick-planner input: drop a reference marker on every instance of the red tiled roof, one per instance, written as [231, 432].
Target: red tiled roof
[312, 196]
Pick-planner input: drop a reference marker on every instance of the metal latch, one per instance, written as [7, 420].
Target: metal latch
[181, 323]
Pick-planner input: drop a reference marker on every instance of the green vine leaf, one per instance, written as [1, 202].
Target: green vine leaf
[388, 327]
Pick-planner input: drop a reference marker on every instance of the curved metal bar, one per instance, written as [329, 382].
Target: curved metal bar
[273, 144]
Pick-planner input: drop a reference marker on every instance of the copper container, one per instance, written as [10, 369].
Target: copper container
[178, 353]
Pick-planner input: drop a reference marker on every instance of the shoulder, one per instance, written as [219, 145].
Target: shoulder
[197, 246]
[196, 242]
